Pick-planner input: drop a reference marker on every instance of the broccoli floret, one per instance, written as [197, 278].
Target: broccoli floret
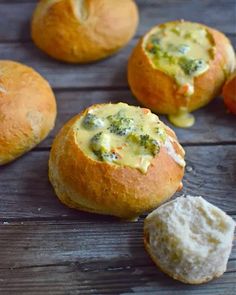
[120, 125]
[150, 144]
[144, 140]
[147, 142]
[106, 156]
[92, 122]
[176, 30]
[100, 142]
[109, 157]
[192, 67]
[155, 40]
[153, 50]
[153, 45]
[100, 145]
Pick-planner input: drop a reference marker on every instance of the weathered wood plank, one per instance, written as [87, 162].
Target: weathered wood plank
[213, 124]
[16, 15]
[111, 72]
[99, 257]
[94, 244]
[125, 280]
[25, 191]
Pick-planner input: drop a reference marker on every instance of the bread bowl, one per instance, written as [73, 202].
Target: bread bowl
[178, 67]
[229, 94]
[189, 239]
[116, 159]
[27, 109]
[81, 31]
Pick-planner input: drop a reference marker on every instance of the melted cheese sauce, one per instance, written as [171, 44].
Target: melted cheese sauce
[182, 119]
[183, 51]
[123, 135]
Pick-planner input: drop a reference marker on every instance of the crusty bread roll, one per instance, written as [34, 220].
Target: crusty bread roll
[27, 109]
[189, 239]
[229, 94]
[178, 67]
[80, 31]
[116, 159]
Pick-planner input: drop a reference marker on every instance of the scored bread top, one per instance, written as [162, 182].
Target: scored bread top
[123, 135]
[190, 239]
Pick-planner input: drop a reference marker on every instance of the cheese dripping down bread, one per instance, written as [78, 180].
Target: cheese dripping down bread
[189, 239]
[178, 67]
[116, 159]
[81, 31]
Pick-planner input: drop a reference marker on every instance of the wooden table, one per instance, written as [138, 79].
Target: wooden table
[47, 248]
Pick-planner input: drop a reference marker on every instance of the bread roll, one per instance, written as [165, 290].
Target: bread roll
[116, 159]
[229, 94]
[27, 110]
[189, 239]
[178, 67]
[81, 31]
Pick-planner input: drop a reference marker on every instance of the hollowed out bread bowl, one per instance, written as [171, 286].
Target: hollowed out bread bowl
[189, 239]
[229, 94]
[80, 31]
[178, 67]
[27, 109]
[116, 159]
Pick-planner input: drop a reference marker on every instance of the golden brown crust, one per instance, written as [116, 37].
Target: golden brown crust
[229, 94]
[158, 91]
[83, 31]
[96, 186]
[27, 109]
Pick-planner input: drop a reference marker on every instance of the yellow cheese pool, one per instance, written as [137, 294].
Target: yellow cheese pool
[123, 135]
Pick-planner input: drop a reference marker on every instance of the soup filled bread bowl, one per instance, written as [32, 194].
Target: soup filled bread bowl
[116, 159]
[178, 67]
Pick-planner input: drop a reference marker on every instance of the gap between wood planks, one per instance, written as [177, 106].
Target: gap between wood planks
[86, 269]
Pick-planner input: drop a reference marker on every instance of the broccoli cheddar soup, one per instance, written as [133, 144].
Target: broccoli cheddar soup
[183, 51]
[123, 135]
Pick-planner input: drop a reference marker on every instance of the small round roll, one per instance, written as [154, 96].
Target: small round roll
[27, 109]
[116, 159]
[178, 67]
[81, 31]
[229, 94]
[189, 239]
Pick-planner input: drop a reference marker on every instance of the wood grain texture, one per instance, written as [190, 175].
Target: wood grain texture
[210, 172]
[111, 71]
[213, 123]
[47, 248]
[16, 15]
[73, 280]
[99, 240]
[81, 257]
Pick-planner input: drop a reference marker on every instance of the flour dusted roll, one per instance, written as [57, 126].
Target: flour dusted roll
[178, 67]
[116, 159]
[189, 239]
[80, 31]
[27, 109]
